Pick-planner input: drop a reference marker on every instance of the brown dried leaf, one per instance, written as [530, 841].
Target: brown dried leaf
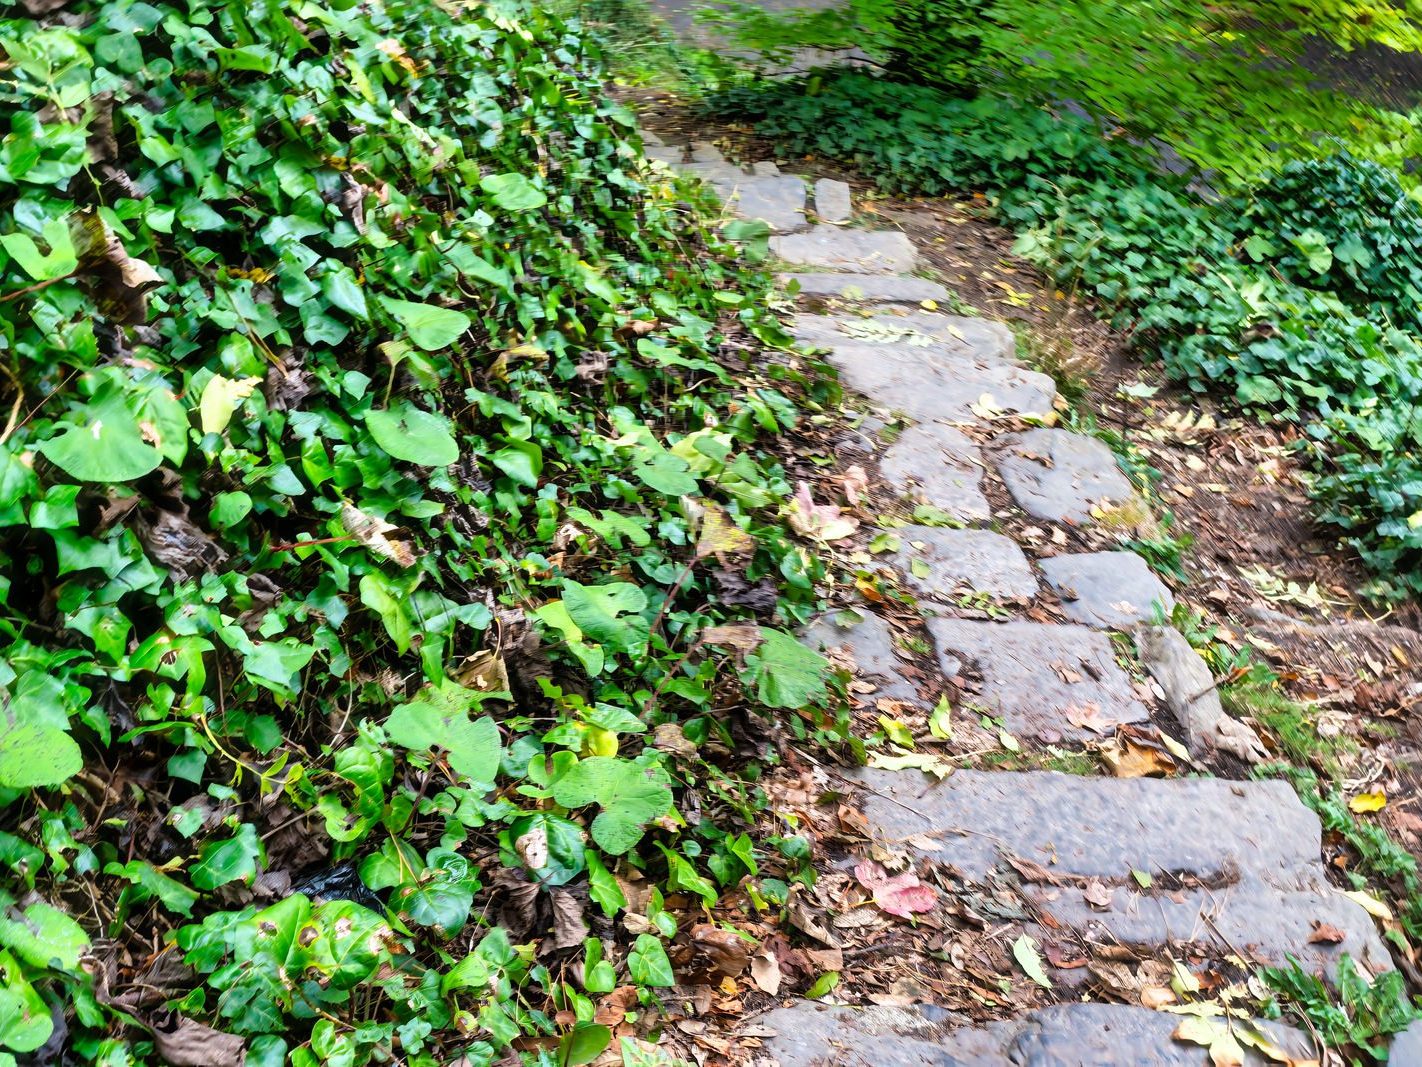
[192, 1044]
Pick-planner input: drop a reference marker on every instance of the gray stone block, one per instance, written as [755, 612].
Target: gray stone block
[1058, 475]
[705, 152]
[938, 465]
[663, 153]
[868, 641]
[832, 201]
[1062, 1035]
[1038, 676]
[856, 251]
[1192, 696]
[869, 288]
[984, 340]
[765, 169]
[1407, 1047]
[1112, 590]
[780, 202]
[1249, 852]
[958, 561]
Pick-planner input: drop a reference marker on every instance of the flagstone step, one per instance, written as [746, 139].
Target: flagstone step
[942, 563]
[1230, 868]
[868, 288]
[856, 251]
[983, 340]
[1061, 476]
[938, 465]
[1109, 590]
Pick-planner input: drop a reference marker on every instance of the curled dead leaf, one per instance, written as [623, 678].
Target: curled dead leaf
[374, 534]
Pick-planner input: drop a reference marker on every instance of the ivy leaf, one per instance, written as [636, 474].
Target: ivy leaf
[108, 447]
[785, 673]
[474, 747]
[25, 1019]
[33, 755]
[647, 963]
[630, 794]
[233, 859]
[171, 893]
[443, 895]
[44, 937]
[416, 436]
[583, 1044]
[549, 846]
[220, 399]
[609, 615]
[429, 326]
[603, 887]
[512, 192]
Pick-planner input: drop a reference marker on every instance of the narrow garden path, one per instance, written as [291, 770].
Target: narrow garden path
[1043, 632]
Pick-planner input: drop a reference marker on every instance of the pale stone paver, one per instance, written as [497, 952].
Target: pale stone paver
[832, 201]
[1038, 677]
[779, 201]
[1063, 1035]
[942, 563]
[941, 466]
[1113, 590]
[856, 251]
[1234, 866]
[1059, 475]
[1193, 696]
[983, 340]
[868, 288]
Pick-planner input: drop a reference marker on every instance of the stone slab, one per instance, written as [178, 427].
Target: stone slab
[724, 178]
[1249, 853]
[868, 641]
[705, 152]
[1407, 1047]
[832, 201]
[869, 288]
[670, 156]
[856, 251]
[1062, 1035]
[977, 561]
[779, 202]
[1192, 696]
[1059, 475]
[1035, 675]
[1111, 590]
[938, 465]
[983, 340]
[765, 168]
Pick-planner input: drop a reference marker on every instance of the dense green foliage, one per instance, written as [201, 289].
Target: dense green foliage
[1223, 84]
[1304, 318]
[368, 478]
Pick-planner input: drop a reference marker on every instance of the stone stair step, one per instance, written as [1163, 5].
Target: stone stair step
[1234, 866]
[868, 642]
[982, 339]
[1036, 676]
[1060, 476]
[1062, 1035]
[779, 202]
[856, 251]
[869, 288]
[832, 201]
[952, 561]
[938, 465]
[1108, 590]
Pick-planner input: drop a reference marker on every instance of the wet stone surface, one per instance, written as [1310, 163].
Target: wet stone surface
[938, 465]
[943, 564]
[1038, 677]
[1112, 590]
[1057, 475]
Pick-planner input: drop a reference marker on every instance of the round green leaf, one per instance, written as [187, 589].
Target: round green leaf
[429, 326]
[33, 756]
[513, 192]
[108, 449]
[630, 794]
[406, 432]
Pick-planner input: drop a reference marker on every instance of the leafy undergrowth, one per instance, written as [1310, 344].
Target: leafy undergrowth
[372, 483]
[1304, 313]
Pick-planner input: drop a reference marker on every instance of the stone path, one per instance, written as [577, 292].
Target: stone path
[1157, 868]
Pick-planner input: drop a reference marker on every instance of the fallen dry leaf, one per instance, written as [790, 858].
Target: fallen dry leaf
[823, 522]
[902, 895]
[1325, 934]
[765, 972]
[191, 1044]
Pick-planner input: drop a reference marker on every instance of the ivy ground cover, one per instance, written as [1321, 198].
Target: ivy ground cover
[384, 543]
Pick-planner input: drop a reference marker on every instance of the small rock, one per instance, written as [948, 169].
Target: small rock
[648, 137]
[832, 201]
[1111, 590]
[951, 562]
[869, 288]
[941, 466]
[1193, 697]
[765, 169]
[857, 251]
[1059, 475]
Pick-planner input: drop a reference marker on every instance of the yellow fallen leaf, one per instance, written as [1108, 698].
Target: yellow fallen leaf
[1375, 800]
[1369, 903]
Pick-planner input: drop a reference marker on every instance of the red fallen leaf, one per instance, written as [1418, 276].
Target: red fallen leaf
[1325, 934]
[902, 895]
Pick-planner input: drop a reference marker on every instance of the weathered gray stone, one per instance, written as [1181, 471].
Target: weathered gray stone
[1192, 696]
[648, 137]
[779, 202]
[1251, 850]
[724, 178]
[856, 251]
[664, 153]
[869, 642]
[705, 152]
[977, 561]
[832, 201]
[930, 384]
[984, 340]
[1062, 1035]
[1058, 475]
[1037, 676]
[765, 169]
[1407, 1047]
[869, 288]
[938, 465]
[1112, 590]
